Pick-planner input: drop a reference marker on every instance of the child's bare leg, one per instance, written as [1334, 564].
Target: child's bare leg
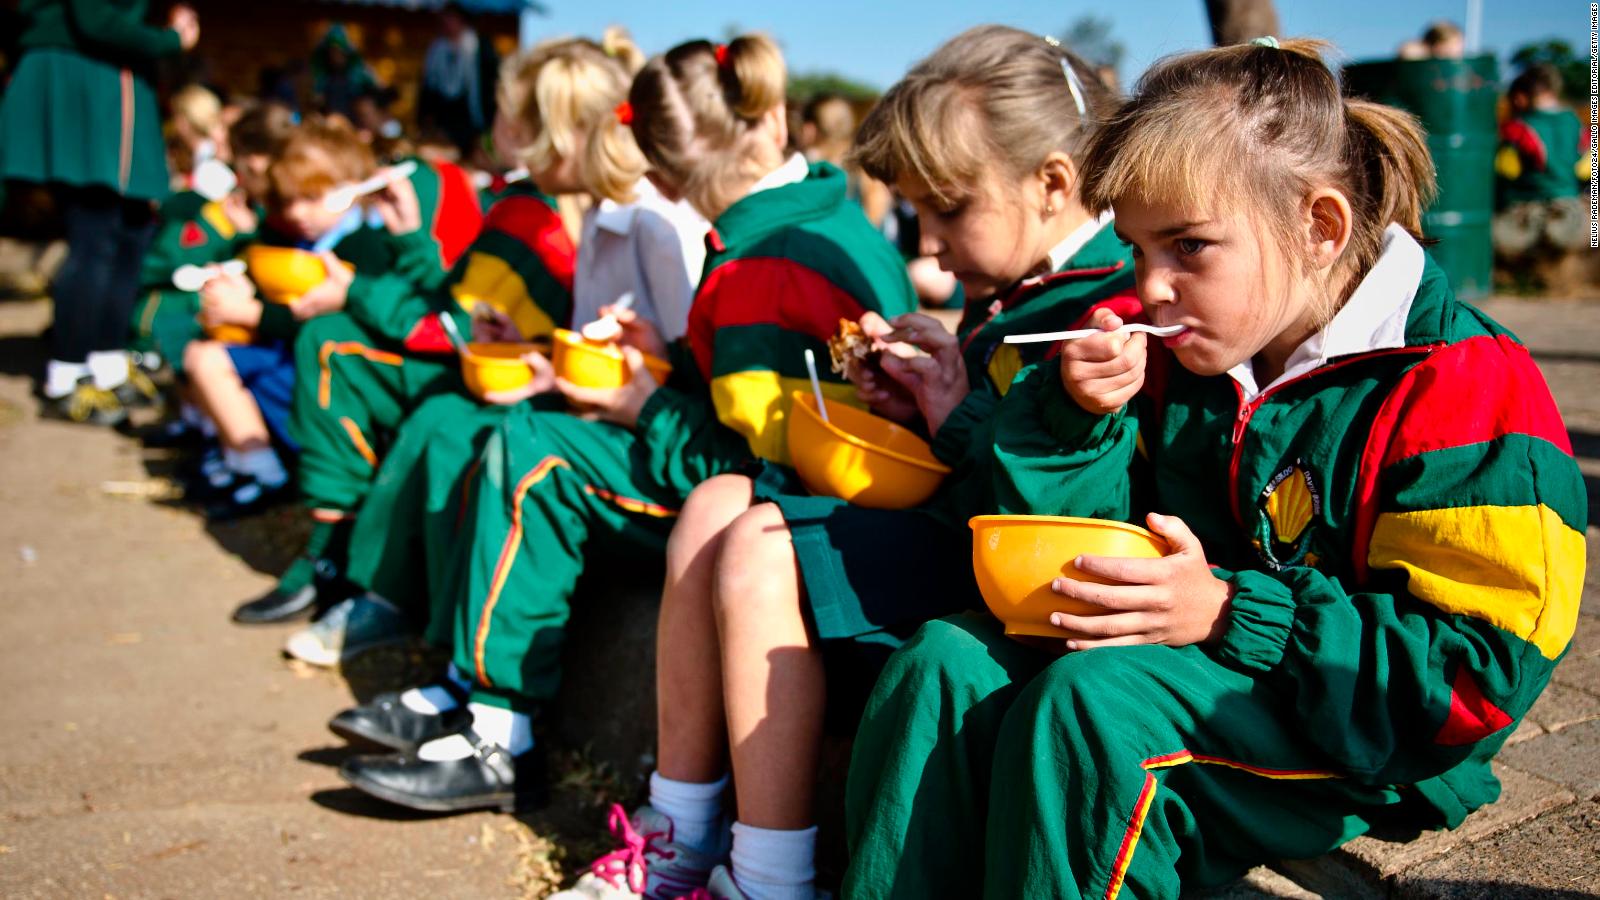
[773, 681]
[691, 726]
[224, 397]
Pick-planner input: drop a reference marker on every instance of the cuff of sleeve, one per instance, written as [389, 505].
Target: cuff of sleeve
[1072, 426]
[168, 43]
[953, 442]
[1260, 621]
[368, 295]
[659, 401]
[277, 321]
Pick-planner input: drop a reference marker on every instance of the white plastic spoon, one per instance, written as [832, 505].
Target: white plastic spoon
[340, 199]
[1157, 330]
[450, 331]
[606, 329]
[189, 277]
[816, 383]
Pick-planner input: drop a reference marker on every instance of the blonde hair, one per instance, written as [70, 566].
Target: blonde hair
[320, 155]
[1258, 127]
[695, 117]
[198, 109]
[563, 96]
[990, 95]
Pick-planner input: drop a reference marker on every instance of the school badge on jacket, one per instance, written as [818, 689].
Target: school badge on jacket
[1287, 510]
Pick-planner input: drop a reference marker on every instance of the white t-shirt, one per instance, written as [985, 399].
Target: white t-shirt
[652, 248]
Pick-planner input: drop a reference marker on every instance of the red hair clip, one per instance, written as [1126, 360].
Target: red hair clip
[721, 52]
[624, 112]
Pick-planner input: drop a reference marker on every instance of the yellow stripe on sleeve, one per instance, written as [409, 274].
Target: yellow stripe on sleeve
[490, 280]
[217, 217]
[1519, 568]
[755, 403]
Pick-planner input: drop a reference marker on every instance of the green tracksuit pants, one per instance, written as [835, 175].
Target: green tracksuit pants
[549, 487]
[401, 545]
[166, 320]
[987, 768]
[352, 389]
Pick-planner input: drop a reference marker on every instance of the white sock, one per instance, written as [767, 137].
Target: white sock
[60, 378]
[433, 699]
[195, 417]
[109, 368]
[695, 809]
[775, 865]
[261, 463]
[430, 700]
[511, 730]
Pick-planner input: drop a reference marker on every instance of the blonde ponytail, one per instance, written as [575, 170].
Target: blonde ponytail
[563, 96]
[619, 45]
[1388, 148]
[697, 111]
[754, 75]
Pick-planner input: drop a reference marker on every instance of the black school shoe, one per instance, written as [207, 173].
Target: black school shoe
[385, 722]
[246, 496]
[489, 778]
[326, 588]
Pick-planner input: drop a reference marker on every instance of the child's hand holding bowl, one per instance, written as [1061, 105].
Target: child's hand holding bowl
[229, 299]
[1174, 600]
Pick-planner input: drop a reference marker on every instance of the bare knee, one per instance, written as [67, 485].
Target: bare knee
[756, 561]
[709, 509]
[205, 359]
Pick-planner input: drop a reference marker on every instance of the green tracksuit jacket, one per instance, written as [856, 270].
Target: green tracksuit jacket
[1402, 522]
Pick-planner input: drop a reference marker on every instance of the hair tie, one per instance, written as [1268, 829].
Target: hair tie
[624, 112]
[720, 51]
[1266, 40]
[1073, 84]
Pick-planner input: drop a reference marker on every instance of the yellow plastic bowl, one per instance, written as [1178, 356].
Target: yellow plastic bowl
[860, 457]
[231, 334]
[588, 364]
[1016, 557]
[283, 274]
[496, 367]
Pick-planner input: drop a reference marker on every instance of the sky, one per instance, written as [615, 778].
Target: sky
[875, 41]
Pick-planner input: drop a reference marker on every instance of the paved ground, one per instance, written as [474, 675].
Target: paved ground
[151, 749]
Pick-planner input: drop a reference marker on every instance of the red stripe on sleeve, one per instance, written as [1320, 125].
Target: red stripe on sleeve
[458, 219]
[428, 337]
[1471, 392]
[532, 221]
[766, 291]
[1472, 717]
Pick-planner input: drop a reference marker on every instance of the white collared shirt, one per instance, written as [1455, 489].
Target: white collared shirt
[1063, 252]
[1374, 318]
[652, 248]
[793, 171]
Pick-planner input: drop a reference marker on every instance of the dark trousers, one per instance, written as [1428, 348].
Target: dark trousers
[96, 288]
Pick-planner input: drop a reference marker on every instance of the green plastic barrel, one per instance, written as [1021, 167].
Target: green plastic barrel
[1455, 99]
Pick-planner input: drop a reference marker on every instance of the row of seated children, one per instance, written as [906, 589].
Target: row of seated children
[1374, 519]
[1543, 170]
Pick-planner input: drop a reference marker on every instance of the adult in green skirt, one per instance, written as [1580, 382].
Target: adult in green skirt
[80, 116]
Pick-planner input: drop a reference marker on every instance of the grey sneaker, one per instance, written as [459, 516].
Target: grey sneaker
[348, 629]
[647, 862]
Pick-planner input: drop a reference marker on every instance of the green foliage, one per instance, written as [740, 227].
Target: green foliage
[1090, 37]
[805, 85]
[1557, 53]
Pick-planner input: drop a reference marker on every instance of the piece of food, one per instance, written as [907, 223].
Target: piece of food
[851, 348]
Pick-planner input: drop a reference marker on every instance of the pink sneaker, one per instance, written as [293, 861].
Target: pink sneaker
[647, 864]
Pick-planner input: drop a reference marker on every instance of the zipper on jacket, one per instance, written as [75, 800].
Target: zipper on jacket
[1247, 409]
